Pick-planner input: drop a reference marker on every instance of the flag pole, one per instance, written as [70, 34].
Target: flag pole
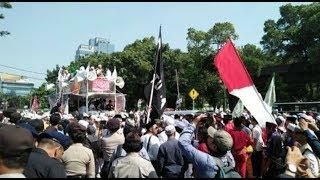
[151, 97]
[177, 83]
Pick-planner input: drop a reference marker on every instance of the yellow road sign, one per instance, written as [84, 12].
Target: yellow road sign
[193, 94]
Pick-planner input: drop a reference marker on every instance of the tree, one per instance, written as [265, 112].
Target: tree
[52, 75]
[6, 5]
[294, 38]
[202, 46]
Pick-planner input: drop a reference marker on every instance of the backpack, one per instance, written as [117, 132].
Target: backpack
[225, 172]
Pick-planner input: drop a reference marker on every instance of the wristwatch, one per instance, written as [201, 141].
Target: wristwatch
[292, 168]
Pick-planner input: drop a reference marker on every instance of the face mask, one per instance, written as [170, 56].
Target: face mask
[250, 126]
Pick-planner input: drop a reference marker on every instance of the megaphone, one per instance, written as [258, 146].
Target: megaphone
[119, 82]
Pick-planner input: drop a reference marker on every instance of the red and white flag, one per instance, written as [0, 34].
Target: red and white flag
[239, 83]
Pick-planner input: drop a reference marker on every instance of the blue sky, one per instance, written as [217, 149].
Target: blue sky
[48, 33]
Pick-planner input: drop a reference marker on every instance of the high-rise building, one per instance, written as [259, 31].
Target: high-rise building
[84, 50]
[100, 45]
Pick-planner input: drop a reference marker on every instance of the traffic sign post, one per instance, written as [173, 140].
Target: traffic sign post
[193, 94]
[192, 104]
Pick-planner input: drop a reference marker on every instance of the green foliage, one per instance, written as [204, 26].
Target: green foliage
[6, 5]
[294, 37]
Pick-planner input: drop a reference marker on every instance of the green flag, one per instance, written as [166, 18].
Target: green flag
[238, 109]
[270, 97]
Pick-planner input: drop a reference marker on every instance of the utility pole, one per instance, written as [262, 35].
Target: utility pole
[177, 79]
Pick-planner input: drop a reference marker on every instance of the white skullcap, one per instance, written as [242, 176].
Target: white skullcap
[85, 115]
[282, 119]
[170, 129]
[84, 123]
[291, 126]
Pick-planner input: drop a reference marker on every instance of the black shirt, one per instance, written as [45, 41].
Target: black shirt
[41, 165]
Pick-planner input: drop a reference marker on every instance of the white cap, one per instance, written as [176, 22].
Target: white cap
[282, 119]
[84, 123]
[85, 115]
[170, 129]
[291, 126]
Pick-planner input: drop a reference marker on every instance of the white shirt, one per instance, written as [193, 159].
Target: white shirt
[153, 146]
[257, 135]
[12, 175]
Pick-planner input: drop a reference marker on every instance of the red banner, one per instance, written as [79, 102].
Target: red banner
[100, 85]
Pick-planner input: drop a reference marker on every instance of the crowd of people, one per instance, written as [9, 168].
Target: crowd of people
[208, 145]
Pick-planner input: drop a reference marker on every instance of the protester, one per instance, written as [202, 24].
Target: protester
[95, 145]
[294, 165]
[306, 150]
[241, 140]
[170, 157]
[109, 106]
[16, 144]
[132, 165]
[78, 159]
[38, 125]
[219, 143]
[275, 151]
[258, 146]
[55, 119]
[114, 138]
[44, 161]
[151, 142]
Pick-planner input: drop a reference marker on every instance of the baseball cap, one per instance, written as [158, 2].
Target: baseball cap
[223, 139]
[15, 140]
[57, 136]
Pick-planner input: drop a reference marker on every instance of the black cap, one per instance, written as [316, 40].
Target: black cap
[15, 140]
[60, 138]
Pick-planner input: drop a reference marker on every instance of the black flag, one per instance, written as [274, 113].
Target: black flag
[159, 92]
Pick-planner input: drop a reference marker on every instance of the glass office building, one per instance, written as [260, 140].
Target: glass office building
[14, 85]
[100, 45]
